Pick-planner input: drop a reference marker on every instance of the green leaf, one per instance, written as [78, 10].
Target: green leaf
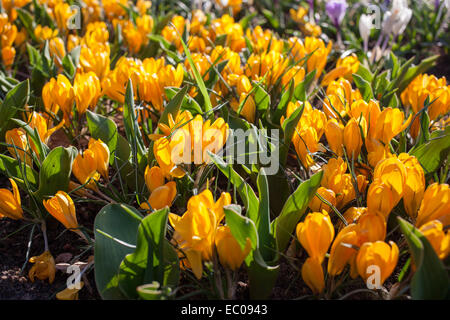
[364, 87]
[174, 104]
[267, 242]
[68, 66]
[365, 73]
[262, 276]
[410, 73]
[246, 20]
[262, 98]
[300, 92]
[55, 171]
[424, 134]
[188, 103]
[286, 97]
[430, 281]
[27, 21]
[294, 209]
[154, 258]
[434, 152]
[15, 100]
[42, 149]
[104, 129]
[198, 78]
[245, 191]
[115, 228]
[241, 227]
[288, 127]
[153, 291]
[11, 168]
[271, 18]
[131, 124]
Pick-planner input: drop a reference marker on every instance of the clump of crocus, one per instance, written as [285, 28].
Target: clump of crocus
[93, 162]
[187, 140]
[196, 233]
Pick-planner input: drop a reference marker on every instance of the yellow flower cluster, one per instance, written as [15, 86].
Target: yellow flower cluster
[425, 87]
[199, 231]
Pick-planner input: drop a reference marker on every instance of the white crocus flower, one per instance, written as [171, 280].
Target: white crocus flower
[365, 25]
[396, 19]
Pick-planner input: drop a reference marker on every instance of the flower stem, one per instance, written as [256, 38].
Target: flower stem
[44, 234]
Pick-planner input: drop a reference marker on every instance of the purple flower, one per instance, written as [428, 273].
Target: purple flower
[437, 3]
[336, 11]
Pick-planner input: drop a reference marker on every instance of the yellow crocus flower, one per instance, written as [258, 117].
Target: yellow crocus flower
[312, 274]
[380, 254]
[438, 238]
[101, 155]
[43, 268]
[62, 208]
[10, 203]
[161, 195]
[316, 234]
[435, 205]
[231, 255]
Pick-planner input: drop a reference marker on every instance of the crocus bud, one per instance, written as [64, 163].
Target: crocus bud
[342, 251]
[414, 185]
[101, 155]
[316, 226]
[19, 148]
[87, 90]
[154, 177]
[352, 138]
[58, 93]
[62, 208]
[378, 254]
[231, 254]
[312, 274]
[57, 50]
[435, 205]
[249, 109]
[162, 196]
[440, 240]
[380, 198]
[365, 25]
[352, 215]
[372, 227]
[390, 123]
[84, 168]
[317, 205]
[10, 203]
[8, 55]
[335, 136]
[44, 267]
[336, 11]
[392, 172]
